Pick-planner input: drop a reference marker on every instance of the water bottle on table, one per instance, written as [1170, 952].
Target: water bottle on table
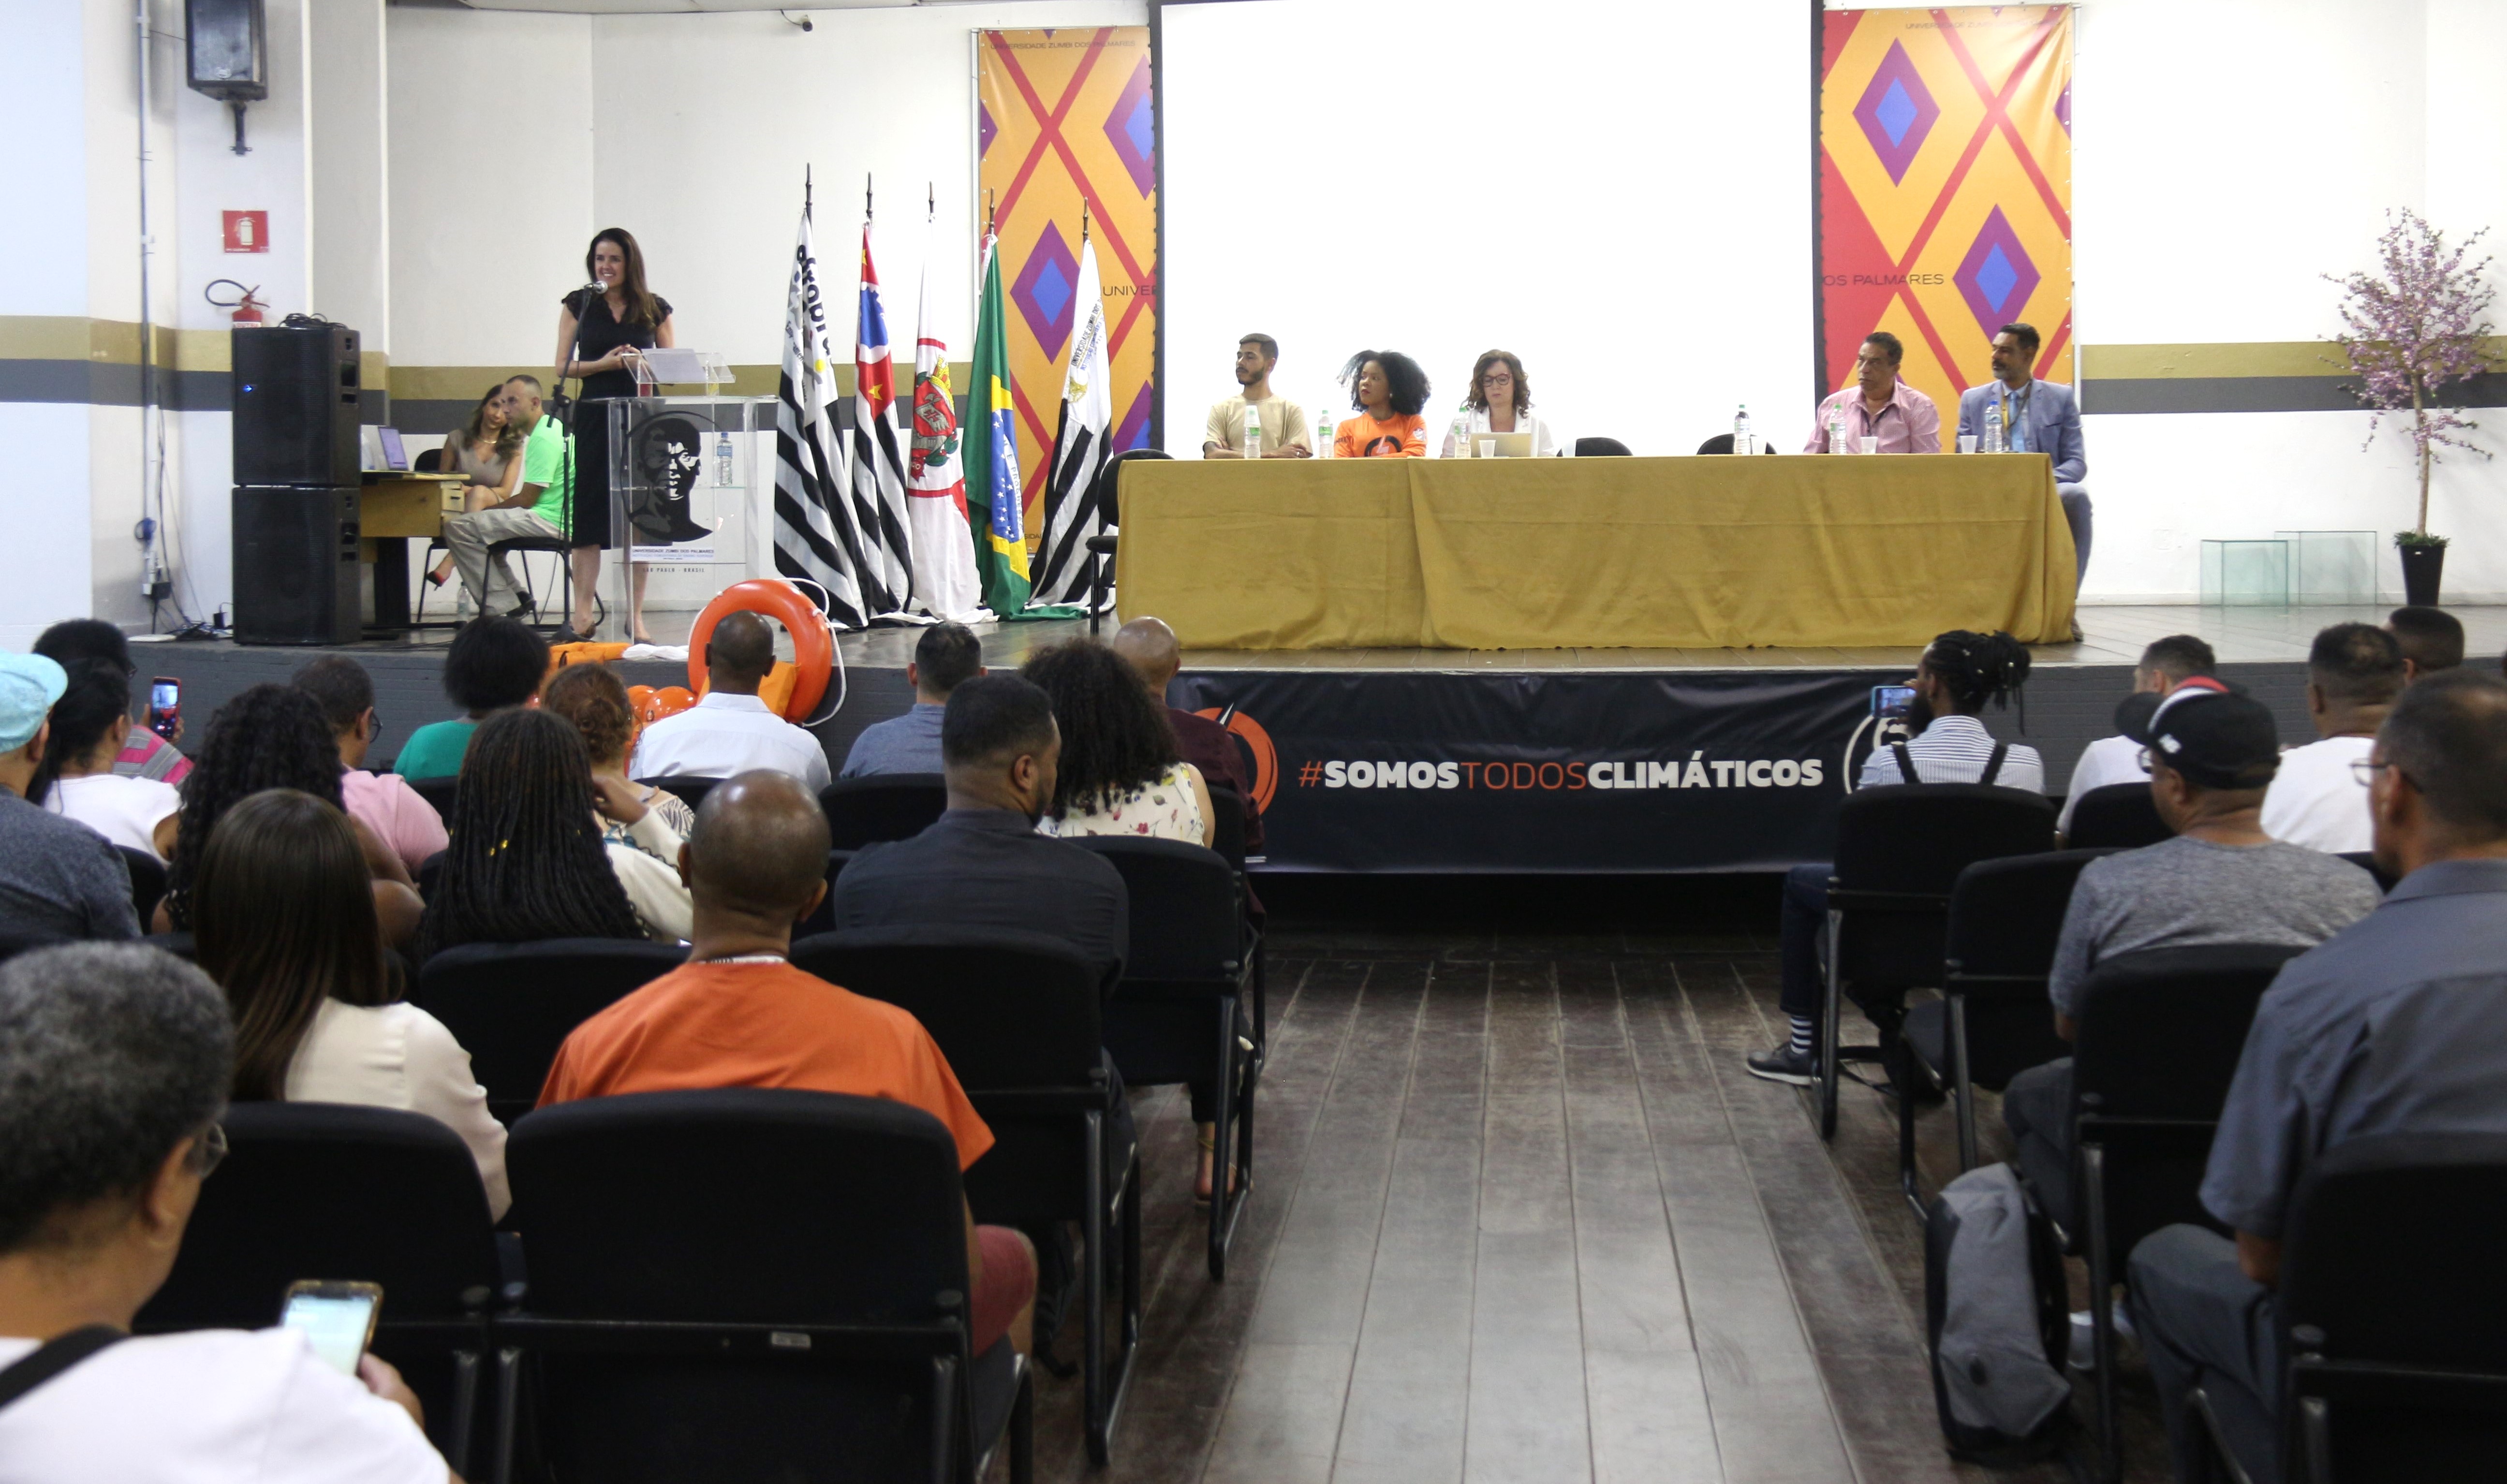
[1742, 442]
[722, 471]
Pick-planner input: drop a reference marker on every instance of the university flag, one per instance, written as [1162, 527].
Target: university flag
[1071, 513]
[815, 535]
[992, 454]
[936, 485]
[879, 466]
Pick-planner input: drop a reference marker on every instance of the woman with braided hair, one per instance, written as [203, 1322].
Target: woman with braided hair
[273, 736]
[1960, 673]
[527, 860]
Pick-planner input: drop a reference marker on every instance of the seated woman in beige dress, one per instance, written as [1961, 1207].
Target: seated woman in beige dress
[486, 452]
[1119, 774]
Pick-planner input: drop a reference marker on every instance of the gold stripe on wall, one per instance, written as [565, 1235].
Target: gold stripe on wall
[2212, 362]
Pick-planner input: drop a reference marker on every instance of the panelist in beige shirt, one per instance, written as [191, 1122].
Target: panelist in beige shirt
[1283, 421]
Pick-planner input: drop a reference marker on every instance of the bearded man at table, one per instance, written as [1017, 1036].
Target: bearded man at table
[1878, 406]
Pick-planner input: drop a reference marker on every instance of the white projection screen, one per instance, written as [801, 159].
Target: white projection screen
[1617, 191]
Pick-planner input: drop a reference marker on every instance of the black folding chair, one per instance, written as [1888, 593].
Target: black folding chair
[511, 1005]
[1898, 851]
[752, 1283]
[1993, 1019]
[1017, 1014]
[884, 805]
[2393, 1312]
[2117, 817]
[2157, 1042]
[1600, 448]
[437, 791]
[691, 791]
[1107, 493]
[1227, 838]
[1722, 443]
[330, 1190]
[147, 882]
[1189, 971]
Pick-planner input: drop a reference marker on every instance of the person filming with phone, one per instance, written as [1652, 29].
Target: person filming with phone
[117, 1058]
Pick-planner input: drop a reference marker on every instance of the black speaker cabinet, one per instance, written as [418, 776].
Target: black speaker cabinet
[296, 566]
[295, 405]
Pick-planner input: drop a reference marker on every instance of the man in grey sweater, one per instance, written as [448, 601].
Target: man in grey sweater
[2222, 879]
[58, 878]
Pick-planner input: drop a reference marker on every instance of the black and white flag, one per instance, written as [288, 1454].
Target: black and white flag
[817, 538]
[1071, 513]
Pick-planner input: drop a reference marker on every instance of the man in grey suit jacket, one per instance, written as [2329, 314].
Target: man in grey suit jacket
[2045, 417]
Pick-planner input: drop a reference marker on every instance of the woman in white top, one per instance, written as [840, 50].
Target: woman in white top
[641, 825]
[486, 452]
[90, 724]
[1501, 402]
[284, 923]
[1119, 774]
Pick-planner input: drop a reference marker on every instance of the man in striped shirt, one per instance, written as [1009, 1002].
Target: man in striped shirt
[1959, 673]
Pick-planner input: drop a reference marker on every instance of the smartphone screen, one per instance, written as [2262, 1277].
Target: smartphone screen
[337, 1317]
[165, 694]
[1892, 701]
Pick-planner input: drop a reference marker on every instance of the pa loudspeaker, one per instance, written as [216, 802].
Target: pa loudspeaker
[296, 566]
[296, 400]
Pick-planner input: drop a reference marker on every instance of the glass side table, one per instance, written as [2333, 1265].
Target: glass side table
[2247, 575]
[2336, 567]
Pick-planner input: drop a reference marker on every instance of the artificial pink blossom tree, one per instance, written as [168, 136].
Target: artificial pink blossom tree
[2419, 324]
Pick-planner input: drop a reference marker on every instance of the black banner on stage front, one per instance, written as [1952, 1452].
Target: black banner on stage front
[1376, 770]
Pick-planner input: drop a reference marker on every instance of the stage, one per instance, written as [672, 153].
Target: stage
[1493, 761]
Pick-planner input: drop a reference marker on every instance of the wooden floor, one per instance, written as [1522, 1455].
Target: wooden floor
[1520, 1215]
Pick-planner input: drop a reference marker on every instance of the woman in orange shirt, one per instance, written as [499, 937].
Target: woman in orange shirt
[1389, 391]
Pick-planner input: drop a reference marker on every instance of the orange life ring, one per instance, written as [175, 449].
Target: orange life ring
[813, 644]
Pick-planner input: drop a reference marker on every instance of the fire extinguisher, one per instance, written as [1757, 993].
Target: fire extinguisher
[247, 309]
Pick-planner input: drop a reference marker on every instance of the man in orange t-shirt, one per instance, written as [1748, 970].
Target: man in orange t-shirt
[739, 1015]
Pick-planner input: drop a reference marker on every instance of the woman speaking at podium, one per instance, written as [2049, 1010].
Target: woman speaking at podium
[598, 332]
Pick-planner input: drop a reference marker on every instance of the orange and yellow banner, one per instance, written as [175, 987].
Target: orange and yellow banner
[1945, 189]
[1066, 117]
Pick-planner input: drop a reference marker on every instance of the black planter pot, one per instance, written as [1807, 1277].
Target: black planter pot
[2422, 566]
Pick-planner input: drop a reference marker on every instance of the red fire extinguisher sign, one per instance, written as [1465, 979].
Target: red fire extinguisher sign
[246, 231]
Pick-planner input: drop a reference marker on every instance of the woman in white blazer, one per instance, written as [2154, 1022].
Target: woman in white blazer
[1501, 402]
[286, 923]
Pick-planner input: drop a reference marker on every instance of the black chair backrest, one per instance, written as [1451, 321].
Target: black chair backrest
[1600, 448]
[691, 791]
[429, 872]
[147, 882]
[330, 1190]
[2366, 860]
[1918, 837]
[2160, 1029]
[1008, 1009]
[1227, 828]
[1722, 443]
[437, 791]
[2007, 913]
[1185, 923]
[427, 461]
[885, 806]
[2119, 815]
[1109, 487]
[511, 1005]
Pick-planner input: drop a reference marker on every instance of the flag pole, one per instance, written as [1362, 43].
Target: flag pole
[866, 213]
[930, 202]
[805, 189]
[989, 206]
[1083, 219]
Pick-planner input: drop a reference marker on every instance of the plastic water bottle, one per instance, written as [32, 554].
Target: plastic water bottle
[722, 470]
[1460, 434]
[1993, 434]
[1319, 433]
[1836, 429]
[1253, 431]
[1742, 442]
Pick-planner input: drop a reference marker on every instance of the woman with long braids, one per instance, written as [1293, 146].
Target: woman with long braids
[91, 724]
[273, 736]
[1960, 673]
[527, 860]
[287, 933]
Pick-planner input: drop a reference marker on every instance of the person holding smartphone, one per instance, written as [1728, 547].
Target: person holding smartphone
[148, 751]
[121, 1054]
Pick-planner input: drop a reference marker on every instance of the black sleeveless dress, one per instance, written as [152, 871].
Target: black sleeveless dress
[596, 334]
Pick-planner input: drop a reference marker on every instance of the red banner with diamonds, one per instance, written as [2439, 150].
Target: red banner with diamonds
[1066, 117]
[1945, 189]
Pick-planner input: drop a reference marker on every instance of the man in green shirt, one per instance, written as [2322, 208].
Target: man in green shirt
[542, 505]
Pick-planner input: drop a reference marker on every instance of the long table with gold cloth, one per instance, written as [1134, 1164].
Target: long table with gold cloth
[1571, 553]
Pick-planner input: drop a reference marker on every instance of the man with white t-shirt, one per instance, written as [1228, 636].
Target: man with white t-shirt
[731, 732]
[117, 1059]
[2354, 672]
[2165, 665]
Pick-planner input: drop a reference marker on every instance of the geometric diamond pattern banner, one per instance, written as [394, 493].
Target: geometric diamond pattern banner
[1945, 189]
[1065, 117]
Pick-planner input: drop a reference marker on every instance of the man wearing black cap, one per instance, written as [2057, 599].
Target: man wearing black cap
[2222, 879]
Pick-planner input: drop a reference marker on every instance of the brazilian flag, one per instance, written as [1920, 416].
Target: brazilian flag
[992, 457]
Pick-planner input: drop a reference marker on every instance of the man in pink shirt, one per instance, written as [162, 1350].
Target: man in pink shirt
[1878, 406]
[383, 803]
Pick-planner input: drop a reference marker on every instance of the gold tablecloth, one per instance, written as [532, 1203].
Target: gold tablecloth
[1572, 552]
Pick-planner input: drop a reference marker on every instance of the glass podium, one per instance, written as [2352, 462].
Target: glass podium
[691, 500]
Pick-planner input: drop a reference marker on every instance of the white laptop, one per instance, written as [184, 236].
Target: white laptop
[1501, 446]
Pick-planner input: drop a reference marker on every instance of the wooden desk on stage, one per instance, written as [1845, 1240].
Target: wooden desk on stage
[1557, 553]
[391, 512]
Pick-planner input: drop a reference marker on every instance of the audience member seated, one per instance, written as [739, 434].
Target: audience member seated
[273, 736]
[731, 730]
[117, 1060]
[2166, 663]
[739, 1015]
[492, 665]
[595, 700]
[77, 780]
[1960, 671]
[383, 802]
[284, 926]
[144, 754]
[2432, 640]
[2222, 879]
[1149, 647]
[58, 879]
[530, 858]
[2397, 1024]
[2354, 673]
[1118, 773]
[946, 657]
